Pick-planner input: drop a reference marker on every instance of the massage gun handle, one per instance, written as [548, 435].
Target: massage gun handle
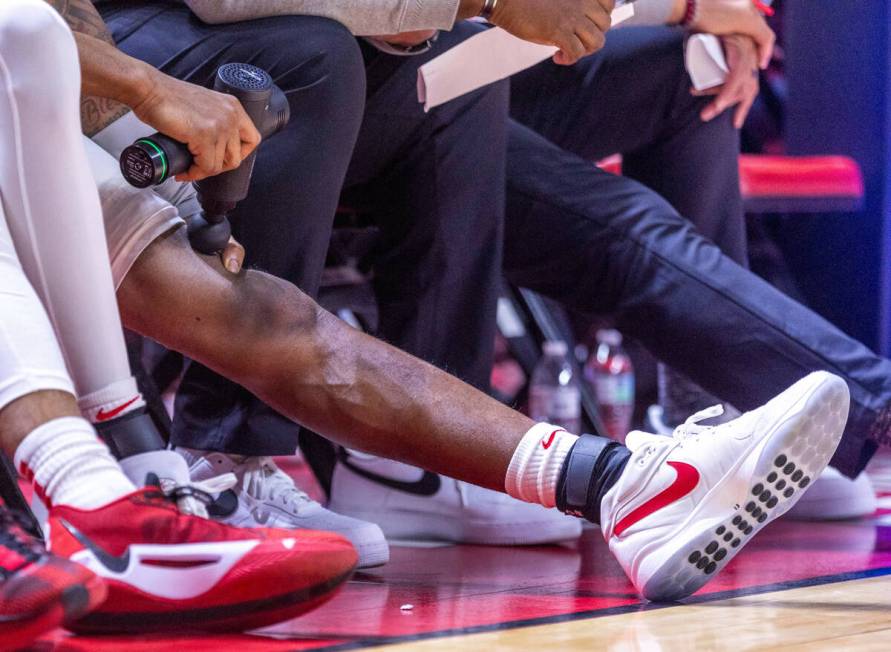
[152, 160]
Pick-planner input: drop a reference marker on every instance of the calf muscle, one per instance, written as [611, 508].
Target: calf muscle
[268, 336]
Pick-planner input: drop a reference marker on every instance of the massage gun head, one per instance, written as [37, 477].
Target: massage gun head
[263, 101]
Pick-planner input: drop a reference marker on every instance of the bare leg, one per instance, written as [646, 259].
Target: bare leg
[264, 333]
[24, 415]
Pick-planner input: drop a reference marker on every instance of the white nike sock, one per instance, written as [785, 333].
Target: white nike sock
[535, 467]
[112, 401]
[69, 465]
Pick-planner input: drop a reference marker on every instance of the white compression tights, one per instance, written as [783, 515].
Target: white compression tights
[52, 239]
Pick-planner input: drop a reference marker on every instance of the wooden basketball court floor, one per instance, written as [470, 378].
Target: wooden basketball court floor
[798, 586]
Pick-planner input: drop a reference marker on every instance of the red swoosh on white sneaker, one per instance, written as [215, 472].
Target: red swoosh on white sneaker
[684, 483]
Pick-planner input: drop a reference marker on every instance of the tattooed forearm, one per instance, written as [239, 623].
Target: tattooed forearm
[96, 113]
[83, 18]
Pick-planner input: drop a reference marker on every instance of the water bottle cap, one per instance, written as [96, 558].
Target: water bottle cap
[609, 336]
[555, 347]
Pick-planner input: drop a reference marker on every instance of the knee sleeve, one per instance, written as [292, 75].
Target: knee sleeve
[39, 55]
[52, 208]
[30, 358]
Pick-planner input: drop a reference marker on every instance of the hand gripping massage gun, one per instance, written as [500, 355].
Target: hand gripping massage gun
[150, 161]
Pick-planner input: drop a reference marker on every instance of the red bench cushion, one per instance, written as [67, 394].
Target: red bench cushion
[791, 184]
[799, 176]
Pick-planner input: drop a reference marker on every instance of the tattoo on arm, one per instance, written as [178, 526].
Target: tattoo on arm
[83, 17]
[96, 113]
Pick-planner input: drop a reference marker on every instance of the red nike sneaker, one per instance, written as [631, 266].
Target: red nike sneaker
[686, 505]
[169, 571]
[38, 591]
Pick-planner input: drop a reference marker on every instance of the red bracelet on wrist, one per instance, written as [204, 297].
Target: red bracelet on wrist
[690, 13]
[764, 8]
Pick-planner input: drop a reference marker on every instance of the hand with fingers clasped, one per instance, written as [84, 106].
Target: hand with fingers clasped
[726, 17]
[741, 87]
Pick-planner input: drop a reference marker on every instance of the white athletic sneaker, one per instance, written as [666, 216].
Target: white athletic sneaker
[265, 496]
[833, 497]
[411, 504]
[686, 505]
[172, 472]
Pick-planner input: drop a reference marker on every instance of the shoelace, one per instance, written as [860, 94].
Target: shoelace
[264, 481]
[192, 499]
[13, 536]
[691, 428]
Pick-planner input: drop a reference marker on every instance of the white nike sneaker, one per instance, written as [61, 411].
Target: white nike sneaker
[415, 505]
[265, 496]
[834, 497]
[172, 474]
[686, 505]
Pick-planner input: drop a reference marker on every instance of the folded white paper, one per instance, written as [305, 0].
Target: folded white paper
[705, 61]
[482, 60]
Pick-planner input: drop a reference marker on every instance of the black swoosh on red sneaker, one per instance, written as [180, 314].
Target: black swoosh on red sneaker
[115, 563]
[428, 485]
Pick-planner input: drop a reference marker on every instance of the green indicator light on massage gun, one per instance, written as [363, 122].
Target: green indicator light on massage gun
[152, 160]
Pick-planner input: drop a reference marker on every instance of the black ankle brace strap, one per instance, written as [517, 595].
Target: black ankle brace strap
[577, 475]
[593, 466]
[131, 434]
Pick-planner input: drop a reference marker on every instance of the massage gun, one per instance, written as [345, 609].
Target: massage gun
[150, 161]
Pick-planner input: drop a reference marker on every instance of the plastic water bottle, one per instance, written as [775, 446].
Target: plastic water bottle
[554, 394]
[611, 374]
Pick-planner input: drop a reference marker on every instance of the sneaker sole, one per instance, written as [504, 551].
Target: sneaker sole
[370, 543]
[402, 526]
[373, 554]
[237, 617]
[785, 463]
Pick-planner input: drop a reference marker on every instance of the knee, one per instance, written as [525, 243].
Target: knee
[40, 54]
[345, 60]
[279, 329]
[321, 54]
[270, 307]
